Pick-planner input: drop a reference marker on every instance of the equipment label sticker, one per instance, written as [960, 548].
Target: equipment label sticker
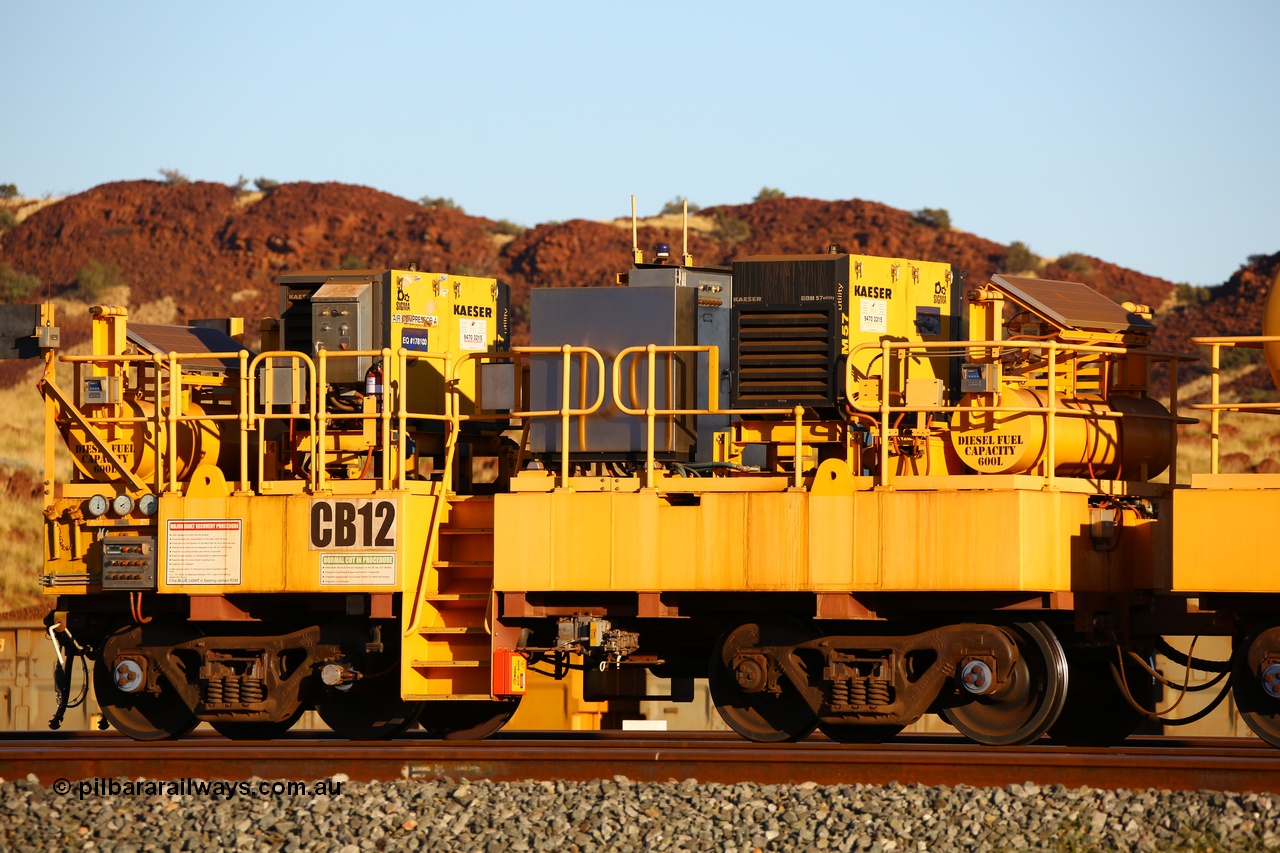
[428, 320]
[414, 339]
[357, 569]
[874, 316]
[472, 335]
[356, 523]
[203, 551]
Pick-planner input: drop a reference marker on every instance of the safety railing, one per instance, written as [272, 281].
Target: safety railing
[165, 417]
[566, 413]
[651, 412]
[1050, 350]
[1215, 407]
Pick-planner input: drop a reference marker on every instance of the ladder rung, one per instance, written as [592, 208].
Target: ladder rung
[444, 629]
[449, 664]
[456, 596]
[463, 564]
[456, 530]
[447, 697]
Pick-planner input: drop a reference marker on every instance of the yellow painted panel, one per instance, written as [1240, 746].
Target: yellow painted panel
[1224, 540]
[777, 537]
[832, 543]
[522, 554]
[720, 555]
[635, 545]
[582, 530]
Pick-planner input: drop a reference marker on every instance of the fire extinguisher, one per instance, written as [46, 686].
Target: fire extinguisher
[373, 384]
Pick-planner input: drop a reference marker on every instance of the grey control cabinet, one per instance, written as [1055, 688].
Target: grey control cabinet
[714, 288]
[610, 319]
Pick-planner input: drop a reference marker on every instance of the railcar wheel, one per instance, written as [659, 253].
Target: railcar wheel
[760, 716]
[141, 716]
[1029, 702]
[466, 720]
[859, 733]
[1260, 709]
[1096, 712]
[370, 710]
[257, 730]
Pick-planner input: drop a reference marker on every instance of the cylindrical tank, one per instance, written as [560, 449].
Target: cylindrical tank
[1271, 326]
[134, 443]
[1095, 447]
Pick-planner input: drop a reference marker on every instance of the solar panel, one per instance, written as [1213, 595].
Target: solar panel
[1072, 305]
[162, 340]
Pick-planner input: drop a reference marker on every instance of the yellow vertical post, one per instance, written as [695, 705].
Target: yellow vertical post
[799, 413]
[245, 407]
[1214, 380]
[566, 364]
[318, 454]
[402, 414]
[175, 391]
[384, 414]
[652, 354]
[885, 475]
[1051, 461]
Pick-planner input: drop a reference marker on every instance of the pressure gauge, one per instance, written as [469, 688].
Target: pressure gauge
[123, 505]
[148, 504]
[96, 506]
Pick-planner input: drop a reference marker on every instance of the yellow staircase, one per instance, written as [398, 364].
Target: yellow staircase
[450, 650]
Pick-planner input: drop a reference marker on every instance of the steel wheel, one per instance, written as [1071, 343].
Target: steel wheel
[370, 710]
[760, 716]
[860, 732]
[466, 720]
[1096, 712]
[141, 716]
[1260, 710]
[1030, 701]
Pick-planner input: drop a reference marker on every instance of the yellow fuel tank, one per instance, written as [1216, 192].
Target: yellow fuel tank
[1013, 442]
[134, 443]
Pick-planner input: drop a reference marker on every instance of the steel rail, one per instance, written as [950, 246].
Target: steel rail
[1225, 764]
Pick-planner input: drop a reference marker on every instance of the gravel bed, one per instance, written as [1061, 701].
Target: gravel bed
[623, 815]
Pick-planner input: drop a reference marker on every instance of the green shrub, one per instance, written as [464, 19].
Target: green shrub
[726, 229]
[934, 217]
[767, 193]
[265, 185]
[1019, 258]
[1233, 358]
[95, 278]
[676, 205]
[446, 203]
[8, 191]
[1074, 262]
[173, 178]
[7, 219]
[240, 187]
[1189, 294]
[506, 226]
[354, 262]
[16, 286]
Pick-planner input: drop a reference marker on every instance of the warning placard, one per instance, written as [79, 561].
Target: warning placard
[874, 316]
[371, 569]
[203, 551]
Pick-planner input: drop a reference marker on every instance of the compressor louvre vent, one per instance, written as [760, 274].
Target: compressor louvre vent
[784, 357]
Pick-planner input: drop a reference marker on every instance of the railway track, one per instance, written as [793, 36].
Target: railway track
[1225, 764]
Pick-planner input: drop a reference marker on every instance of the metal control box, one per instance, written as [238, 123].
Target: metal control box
[129, 562]
[714, 286]
[609, 320]
[341, 320]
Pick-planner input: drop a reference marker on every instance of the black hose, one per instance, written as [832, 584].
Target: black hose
[1183, 660]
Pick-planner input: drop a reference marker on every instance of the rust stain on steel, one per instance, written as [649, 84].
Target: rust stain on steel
[1219, 764]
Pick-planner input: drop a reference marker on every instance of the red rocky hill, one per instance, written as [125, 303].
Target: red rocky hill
[216, 251]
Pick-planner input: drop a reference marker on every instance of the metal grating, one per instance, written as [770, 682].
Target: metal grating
[1072, 305]
[783, 358]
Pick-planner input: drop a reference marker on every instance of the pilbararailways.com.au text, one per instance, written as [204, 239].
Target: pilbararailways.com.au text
[93, 788]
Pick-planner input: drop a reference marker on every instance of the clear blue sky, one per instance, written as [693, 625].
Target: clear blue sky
[1145, 133]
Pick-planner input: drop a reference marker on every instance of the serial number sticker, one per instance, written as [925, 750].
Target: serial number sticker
[363, 523]
[203, 551]
[472, 335]
[428, 320]
[357, 569]
[874, 316]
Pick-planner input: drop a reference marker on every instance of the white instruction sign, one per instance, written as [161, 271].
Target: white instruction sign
[372, 569]
[874, 316]
[203, 551]
[472, 335]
